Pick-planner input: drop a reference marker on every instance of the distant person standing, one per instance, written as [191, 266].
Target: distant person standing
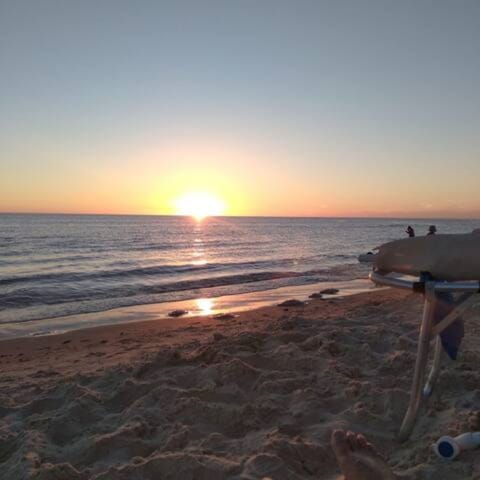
[432, 230]
[410, 231]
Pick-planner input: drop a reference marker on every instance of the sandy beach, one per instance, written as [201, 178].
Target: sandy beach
[250, 397]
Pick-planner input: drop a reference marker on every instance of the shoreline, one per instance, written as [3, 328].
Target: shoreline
[233, 303]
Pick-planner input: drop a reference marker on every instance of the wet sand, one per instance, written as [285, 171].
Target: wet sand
[249, 397]
[200, 306]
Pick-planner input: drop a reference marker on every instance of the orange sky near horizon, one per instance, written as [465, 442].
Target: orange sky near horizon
[247, 182]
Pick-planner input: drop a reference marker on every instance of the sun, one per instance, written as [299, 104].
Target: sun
[199, 205]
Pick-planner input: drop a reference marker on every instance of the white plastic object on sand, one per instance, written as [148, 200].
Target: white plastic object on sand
[449, 448]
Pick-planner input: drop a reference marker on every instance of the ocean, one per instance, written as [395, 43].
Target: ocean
[58, 265]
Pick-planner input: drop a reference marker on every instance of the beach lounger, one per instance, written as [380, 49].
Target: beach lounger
[443, 264]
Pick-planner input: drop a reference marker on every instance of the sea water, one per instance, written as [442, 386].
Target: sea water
[57, 265]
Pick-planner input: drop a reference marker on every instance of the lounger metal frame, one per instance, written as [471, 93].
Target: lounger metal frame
[428, 332]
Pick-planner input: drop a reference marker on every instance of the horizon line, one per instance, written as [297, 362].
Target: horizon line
[244, 216]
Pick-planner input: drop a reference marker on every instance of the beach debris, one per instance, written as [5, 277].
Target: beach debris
[291, 303]
[316, 295]
[449, 448]
[330, 291]
[224, 316]
[177, 313]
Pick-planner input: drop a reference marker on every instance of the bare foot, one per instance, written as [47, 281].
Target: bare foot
[358, 459]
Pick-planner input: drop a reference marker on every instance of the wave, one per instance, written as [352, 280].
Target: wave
[44, 296]
[22, 298]
[156, 270]
[52, 260]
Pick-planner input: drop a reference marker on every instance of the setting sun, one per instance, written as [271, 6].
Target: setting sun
[199, 205]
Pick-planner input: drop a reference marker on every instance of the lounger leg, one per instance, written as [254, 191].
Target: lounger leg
[435, 371]
[420, 364]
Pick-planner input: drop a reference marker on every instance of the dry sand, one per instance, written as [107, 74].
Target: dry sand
[246, 398]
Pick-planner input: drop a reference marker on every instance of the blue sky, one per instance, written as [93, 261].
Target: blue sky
[350, 107]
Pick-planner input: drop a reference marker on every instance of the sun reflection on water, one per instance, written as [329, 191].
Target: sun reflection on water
[205, 305]
[199, 262]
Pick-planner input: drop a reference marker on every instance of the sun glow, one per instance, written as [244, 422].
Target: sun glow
[199, 205]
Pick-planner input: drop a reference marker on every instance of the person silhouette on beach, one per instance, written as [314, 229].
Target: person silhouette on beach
[358, 459]
[432, 230]
[410, 231]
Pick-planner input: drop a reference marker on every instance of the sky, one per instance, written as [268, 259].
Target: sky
[308, 108]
